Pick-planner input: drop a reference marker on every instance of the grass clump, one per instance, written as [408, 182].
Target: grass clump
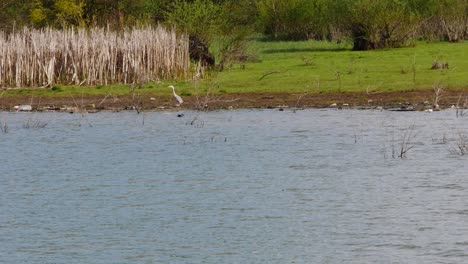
[56, 89]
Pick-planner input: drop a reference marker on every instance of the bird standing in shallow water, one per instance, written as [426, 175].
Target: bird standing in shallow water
[178, 98]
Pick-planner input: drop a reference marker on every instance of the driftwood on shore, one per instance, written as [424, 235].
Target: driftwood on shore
[96, 56]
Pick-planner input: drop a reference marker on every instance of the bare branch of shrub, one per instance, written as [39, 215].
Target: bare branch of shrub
[461, 144]
[405, 144]
[4, 127]
[460, 107]
[34, 123]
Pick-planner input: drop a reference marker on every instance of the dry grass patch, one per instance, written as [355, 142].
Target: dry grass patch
[96, 56]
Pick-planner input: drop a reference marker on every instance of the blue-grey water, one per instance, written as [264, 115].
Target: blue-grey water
[250, 186]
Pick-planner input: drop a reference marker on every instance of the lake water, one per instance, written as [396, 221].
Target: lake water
[249, 186]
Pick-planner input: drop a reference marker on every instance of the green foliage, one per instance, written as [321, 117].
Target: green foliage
[371, 24]
[69, 12]
[223, 27]
[378, 24]
[59, 13]
[453, 19]
[201, 18]
[155, 9]
[295, 19]
[13, 13]
[119, 14]
[38, 14]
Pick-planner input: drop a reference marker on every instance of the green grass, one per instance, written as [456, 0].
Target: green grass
[314, 67]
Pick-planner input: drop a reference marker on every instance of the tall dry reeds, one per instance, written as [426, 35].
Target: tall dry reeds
[95, 56]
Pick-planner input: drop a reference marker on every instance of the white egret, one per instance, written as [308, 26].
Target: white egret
[178, 98]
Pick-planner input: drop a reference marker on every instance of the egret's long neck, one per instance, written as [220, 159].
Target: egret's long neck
[173, 90]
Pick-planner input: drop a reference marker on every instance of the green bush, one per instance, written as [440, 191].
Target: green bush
[452, 16]
[295, 19]
[292, 20]
[201, 18]
[442, 19]
[378, 24]
[221, 27]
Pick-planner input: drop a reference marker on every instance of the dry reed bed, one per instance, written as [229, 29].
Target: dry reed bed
[96, 56]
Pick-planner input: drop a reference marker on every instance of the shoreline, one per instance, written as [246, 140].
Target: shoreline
[414, 100]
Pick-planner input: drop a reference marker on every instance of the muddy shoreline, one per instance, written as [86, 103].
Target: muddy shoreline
[405, 100]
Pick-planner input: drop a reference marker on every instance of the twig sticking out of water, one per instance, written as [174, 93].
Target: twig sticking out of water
[196, 122]
[136, 99]
[34, 123]
[81, 109]
[405, 144]
[461, 144]
[461, 109]
[440, 141]
[4, 127]
[356, 136]
[401, 148]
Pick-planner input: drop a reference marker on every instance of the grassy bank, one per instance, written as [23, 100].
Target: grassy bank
[313, 67]
[329, 67]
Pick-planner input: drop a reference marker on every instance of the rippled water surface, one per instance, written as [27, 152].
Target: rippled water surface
[315, 186]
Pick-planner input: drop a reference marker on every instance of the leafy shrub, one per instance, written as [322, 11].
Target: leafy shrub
[378, 24]
[214, 27]
[201, 18]
[291, 20]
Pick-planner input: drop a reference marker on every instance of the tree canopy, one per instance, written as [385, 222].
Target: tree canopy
[368, 24]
